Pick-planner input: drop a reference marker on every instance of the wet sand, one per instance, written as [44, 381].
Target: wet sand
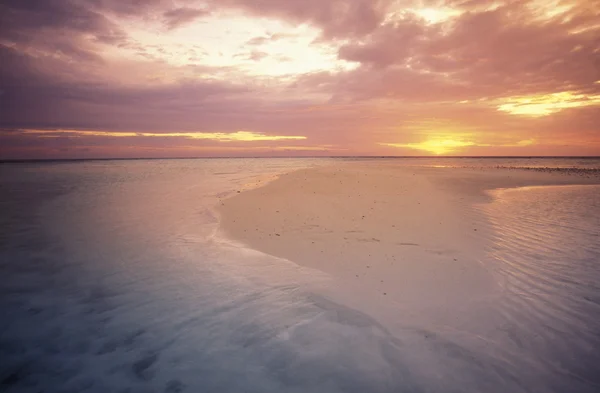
[413, 235]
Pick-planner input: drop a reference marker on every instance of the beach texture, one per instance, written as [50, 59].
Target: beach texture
[411, 234]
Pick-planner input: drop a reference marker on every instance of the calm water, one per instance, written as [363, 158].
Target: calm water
[113, 278]
[546, 250]
[586, 163]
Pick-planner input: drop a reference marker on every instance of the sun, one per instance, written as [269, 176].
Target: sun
[434, 146]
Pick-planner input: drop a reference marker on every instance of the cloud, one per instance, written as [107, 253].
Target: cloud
[179, 16]
[238, 136]
[414, 73]
[392, 43]
[256, 55]
[506, 50]
[261, 40]
[35, 93]
[66, 26]
[544, 105]
[127, 7]
[337, 18]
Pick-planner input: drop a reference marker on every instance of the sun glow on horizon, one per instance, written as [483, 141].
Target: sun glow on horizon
[445, 145]
[435, 146]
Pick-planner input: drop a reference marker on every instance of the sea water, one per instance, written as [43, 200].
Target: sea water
[113, 278]
[545, 251]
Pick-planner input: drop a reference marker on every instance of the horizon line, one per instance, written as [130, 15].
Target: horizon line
[28, 160]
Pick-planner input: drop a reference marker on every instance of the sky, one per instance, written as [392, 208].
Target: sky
[207, 78]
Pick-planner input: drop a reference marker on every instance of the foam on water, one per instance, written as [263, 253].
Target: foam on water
[113, 280]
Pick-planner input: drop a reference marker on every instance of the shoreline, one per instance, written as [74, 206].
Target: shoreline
[409, 235]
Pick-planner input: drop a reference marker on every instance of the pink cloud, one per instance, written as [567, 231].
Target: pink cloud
[335, 17]
[499, 52]
[183, 15]
[411, 78]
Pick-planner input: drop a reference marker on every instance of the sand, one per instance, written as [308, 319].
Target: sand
[411, 235]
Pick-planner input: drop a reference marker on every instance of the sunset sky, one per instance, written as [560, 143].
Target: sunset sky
[187, 78]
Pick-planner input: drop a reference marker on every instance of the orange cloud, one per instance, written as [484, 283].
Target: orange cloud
[547, 104]
[239, 136]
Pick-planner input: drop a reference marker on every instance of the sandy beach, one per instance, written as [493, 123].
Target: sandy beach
[412, 235]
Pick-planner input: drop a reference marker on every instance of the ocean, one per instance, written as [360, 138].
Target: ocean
[115, 278]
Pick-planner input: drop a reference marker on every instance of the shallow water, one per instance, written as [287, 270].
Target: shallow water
[546, 252]
[536, 163]
[114, 279]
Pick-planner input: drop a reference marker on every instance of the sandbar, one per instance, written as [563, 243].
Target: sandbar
[414, 235]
